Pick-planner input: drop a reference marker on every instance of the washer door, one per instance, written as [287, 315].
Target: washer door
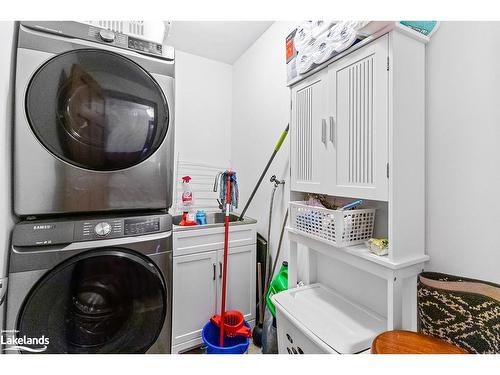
[101, 301]
[97, 110]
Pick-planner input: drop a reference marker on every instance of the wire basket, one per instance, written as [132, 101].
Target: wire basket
[341, 228]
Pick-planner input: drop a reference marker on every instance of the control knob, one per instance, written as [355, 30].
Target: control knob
[102, 229]
[107, 35]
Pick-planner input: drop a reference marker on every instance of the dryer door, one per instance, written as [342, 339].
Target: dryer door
[101, 301]
[97, 110]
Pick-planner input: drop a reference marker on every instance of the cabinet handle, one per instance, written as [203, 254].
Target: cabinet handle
[220, 270]
[215, 270]
[332, 129]
[323, 130]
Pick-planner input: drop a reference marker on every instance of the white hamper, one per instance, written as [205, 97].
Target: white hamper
[315, 319]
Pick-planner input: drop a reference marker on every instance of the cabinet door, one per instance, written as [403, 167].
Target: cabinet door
[308, 134]
[358, 123]
[194, 294]
[241, 280]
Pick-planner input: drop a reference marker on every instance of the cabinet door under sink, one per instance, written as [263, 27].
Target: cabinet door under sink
[194, 294]
[241, 275]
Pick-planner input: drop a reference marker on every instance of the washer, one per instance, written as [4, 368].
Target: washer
[94, 121]
[91, 285]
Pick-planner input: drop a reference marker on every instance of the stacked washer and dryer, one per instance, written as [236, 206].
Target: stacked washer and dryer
[90, 266]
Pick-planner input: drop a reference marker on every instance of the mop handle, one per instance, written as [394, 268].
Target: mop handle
[275, 151]
[226, 245]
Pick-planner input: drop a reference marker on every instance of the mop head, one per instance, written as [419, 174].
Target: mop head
[234, 189]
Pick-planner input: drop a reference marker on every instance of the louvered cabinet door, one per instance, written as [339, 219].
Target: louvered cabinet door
[358, 123]
[309, 134]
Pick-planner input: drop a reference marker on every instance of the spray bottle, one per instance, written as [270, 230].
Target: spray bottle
[188, 217]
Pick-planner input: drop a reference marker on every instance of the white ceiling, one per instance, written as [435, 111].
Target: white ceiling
[218, 40]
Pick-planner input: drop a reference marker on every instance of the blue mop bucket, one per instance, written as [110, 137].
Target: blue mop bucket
[232, 345]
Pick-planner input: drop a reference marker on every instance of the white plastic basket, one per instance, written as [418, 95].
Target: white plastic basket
[341, 228]
[314, 319]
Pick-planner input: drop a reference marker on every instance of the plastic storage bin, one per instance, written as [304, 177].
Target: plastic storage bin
[341, 228]
[315, 319]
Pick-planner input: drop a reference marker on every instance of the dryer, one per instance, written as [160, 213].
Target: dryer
[94, 121]
[90, 285]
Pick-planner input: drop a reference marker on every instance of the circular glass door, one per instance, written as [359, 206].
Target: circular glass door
[97, 110]
[102, 301]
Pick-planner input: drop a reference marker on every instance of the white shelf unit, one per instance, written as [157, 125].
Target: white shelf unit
[359, 257]
[358, 131]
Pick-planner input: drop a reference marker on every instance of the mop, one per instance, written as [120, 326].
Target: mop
[230, 323]
[259, 181]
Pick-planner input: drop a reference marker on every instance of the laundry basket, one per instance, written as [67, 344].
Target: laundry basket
[341, 228]
[314, 319]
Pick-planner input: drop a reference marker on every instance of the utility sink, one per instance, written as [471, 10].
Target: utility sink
[214, 219]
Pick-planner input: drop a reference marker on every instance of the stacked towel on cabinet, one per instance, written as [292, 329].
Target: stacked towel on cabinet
[317, 41]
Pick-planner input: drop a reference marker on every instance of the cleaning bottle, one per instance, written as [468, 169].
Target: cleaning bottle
[187, 203]
[278, 284]
[201, 217]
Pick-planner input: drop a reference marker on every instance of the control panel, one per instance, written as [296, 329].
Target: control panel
[100, 35]
[144, 46]
[61, 231]
[141, 226]
[94, 229]
[99, 229]
[124, 41]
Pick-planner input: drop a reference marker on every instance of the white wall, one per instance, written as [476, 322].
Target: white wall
[203, 105]
[463, 150]
[260, 113]
[203, 100]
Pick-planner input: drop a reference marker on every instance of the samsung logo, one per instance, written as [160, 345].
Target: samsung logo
[43, 227]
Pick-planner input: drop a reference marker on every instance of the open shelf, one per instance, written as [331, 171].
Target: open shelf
[357, 256]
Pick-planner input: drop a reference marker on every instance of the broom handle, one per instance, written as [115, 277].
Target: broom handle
[259, 290]
[224, 272]
[275, 151]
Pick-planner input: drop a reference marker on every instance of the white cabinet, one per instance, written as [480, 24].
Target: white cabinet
[308, 133]
[358, 123]
[197, 279]
[375, 112]
[194, 294]
[339, 127]
[239, 295]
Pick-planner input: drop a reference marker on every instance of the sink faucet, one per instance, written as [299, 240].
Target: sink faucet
[218, 176]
